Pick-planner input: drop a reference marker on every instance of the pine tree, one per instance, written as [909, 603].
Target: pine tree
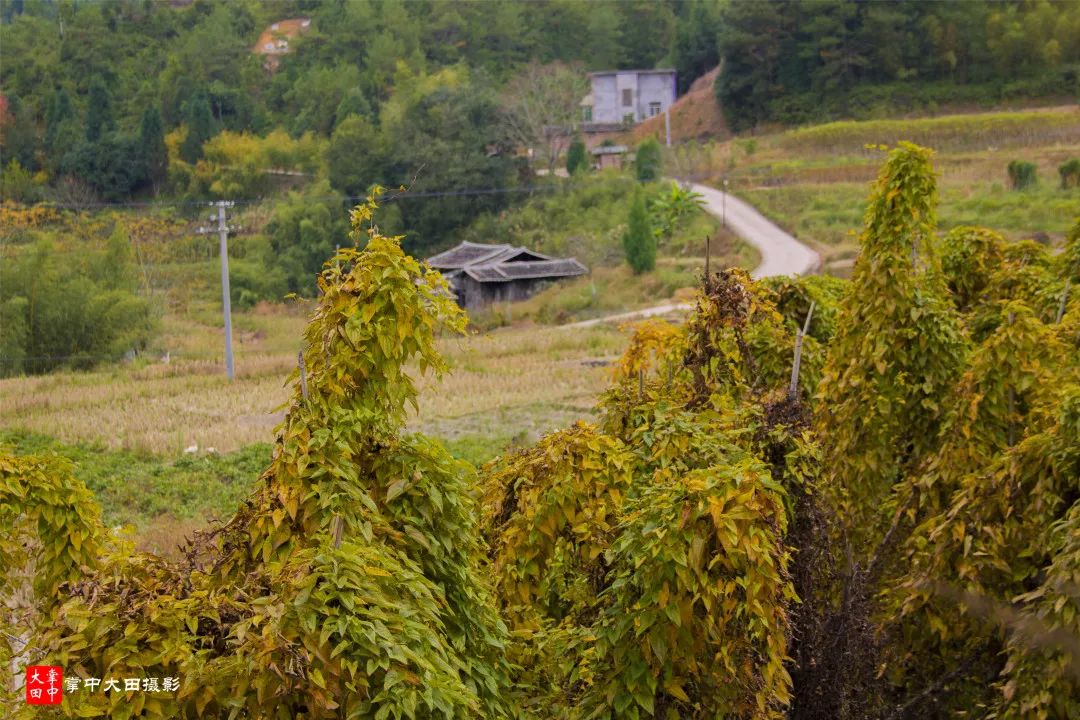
[200, 127]
[638, 242]
[152, 145]
[99, 117]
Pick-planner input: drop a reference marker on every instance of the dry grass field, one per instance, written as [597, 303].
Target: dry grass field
[507, 383]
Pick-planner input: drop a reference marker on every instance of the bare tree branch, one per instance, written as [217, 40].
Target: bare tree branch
[540, 107]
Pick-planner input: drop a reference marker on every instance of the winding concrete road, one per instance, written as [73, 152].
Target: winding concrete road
[781, 254]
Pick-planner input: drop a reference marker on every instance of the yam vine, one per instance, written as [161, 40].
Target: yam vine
[890, 531]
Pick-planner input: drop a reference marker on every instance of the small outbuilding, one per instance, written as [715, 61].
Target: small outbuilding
[607, 156]
[481, 274]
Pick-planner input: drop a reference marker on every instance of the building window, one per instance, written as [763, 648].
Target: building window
[654, 109]
[586, 113]
[628, 119]
[627, 97]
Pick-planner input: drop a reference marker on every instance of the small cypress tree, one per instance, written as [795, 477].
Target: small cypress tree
[638, 242]
[200, 127]
[648, 163]
[576, 158]
[152, 145]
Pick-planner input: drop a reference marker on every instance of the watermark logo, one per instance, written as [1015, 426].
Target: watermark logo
[131, 684]
[44, 684]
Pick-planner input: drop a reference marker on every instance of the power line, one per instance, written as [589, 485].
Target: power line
[157, 357]
[389, 197]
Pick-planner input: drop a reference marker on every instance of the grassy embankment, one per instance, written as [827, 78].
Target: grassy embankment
[814, 180]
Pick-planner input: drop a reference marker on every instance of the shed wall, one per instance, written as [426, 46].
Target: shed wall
[473, 294]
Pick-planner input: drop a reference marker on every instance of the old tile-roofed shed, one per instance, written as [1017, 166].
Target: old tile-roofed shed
[480, 274]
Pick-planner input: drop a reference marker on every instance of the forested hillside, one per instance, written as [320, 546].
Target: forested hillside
[118, 100]
[114, 101]
[798, 61]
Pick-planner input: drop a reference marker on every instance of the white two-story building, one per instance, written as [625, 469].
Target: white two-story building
[626, 97]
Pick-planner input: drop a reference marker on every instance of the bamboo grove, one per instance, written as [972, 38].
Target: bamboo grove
[814, 499]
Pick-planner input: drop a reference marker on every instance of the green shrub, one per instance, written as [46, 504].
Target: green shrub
[302, 235]
[576, 156]
[648, 163]
[112, 165]
[1023, 174]
[1070, 174]
[17, 183]
[252, 281]
[638, 241]
[66, 313]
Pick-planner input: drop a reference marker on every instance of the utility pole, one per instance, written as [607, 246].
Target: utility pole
[667, 124]
[226, 302]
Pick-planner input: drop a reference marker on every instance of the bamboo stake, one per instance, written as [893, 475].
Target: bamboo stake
[1012, 401]
[708, 242]
[337, 528]
[793, 388]
[1064, 300]
[303, 376]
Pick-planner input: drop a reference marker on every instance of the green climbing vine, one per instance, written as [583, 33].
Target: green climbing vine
[815, 498]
